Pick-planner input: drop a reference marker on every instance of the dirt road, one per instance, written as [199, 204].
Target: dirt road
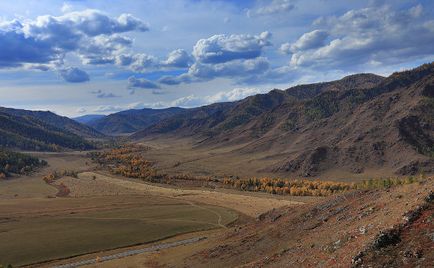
[128, 253]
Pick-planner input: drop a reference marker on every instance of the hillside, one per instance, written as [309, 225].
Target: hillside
[17, 163]
[61, 122]
[130, 121]
[215, 119]
[373, 228]
[24, 130]
[354, 124]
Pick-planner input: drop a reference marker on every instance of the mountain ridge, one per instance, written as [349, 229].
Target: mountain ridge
[355, 124]
[129, 121]
[42, 131]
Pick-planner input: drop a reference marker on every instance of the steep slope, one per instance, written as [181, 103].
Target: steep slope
[131, 120]
[85, 119]
[61, 122]
[333, 232]
[215, 119]
[29, 133]
[355, 124]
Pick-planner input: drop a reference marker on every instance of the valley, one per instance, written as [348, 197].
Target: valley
[315, 175]
[103, 212]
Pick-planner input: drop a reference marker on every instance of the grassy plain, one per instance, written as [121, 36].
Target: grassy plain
[104, 212]
[37, 230]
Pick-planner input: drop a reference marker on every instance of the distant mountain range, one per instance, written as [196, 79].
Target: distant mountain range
[128, 121]
[85, 119]
[43, 131]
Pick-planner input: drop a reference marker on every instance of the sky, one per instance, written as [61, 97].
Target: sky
[82, 57]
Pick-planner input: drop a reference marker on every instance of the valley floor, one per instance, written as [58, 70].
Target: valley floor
[104, 215]
[103, 212]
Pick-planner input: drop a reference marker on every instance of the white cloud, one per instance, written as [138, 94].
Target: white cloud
[223, 48]
[103, 95]
[310, 40]
[44, 41]
[233, 95]
[371, 36]
[140, 83]
[66, 8]
[273, 7]
[74, 75]
[178, 58]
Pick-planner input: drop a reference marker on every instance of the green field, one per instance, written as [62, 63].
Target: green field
[33, 238]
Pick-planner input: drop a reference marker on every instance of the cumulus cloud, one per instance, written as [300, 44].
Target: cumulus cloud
[223, 48]
[188, 101]
[225, 56]
[222, 96]
[16, 49]
[103, 95]
[89, 22]
[178, 58]
[369, 36]
[233, 95]
[233, 68]
[141, 83]
[74, 75]
[138, 62]
[109, 108]
[273, 7]
[175, 80]
[309, 40]
[90, 34]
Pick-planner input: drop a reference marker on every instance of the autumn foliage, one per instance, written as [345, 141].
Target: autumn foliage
[288, 187]
[129, 161]
[315, 187]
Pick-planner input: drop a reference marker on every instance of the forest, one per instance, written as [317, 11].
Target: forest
[17, 163]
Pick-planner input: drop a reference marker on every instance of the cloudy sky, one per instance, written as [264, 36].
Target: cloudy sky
[93, 56]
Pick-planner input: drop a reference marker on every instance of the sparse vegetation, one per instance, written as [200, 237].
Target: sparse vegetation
[55, 175]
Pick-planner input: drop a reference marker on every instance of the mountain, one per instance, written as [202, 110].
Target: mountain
[359, 123]
[217, 119]
[130, 121]
[61, 122]
[85, 119]
[42, 131]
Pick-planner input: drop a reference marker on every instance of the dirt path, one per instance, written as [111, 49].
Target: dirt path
[128, 253]
[219, 221]
[151, 219]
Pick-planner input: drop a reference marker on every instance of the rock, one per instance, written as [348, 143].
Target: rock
[386, 238]
[357, 260]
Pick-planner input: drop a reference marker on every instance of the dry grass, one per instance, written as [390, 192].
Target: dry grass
[41, 230]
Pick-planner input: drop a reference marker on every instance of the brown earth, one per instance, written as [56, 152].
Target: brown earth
[328, 233]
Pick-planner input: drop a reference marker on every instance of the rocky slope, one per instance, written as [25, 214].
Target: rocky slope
[373, 228]
[361, 122]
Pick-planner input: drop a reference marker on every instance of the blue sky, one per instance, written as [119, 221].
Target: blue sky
[86, 57]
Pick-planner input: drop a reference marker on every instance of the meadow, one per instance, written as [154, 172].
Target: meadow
[78, 226]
